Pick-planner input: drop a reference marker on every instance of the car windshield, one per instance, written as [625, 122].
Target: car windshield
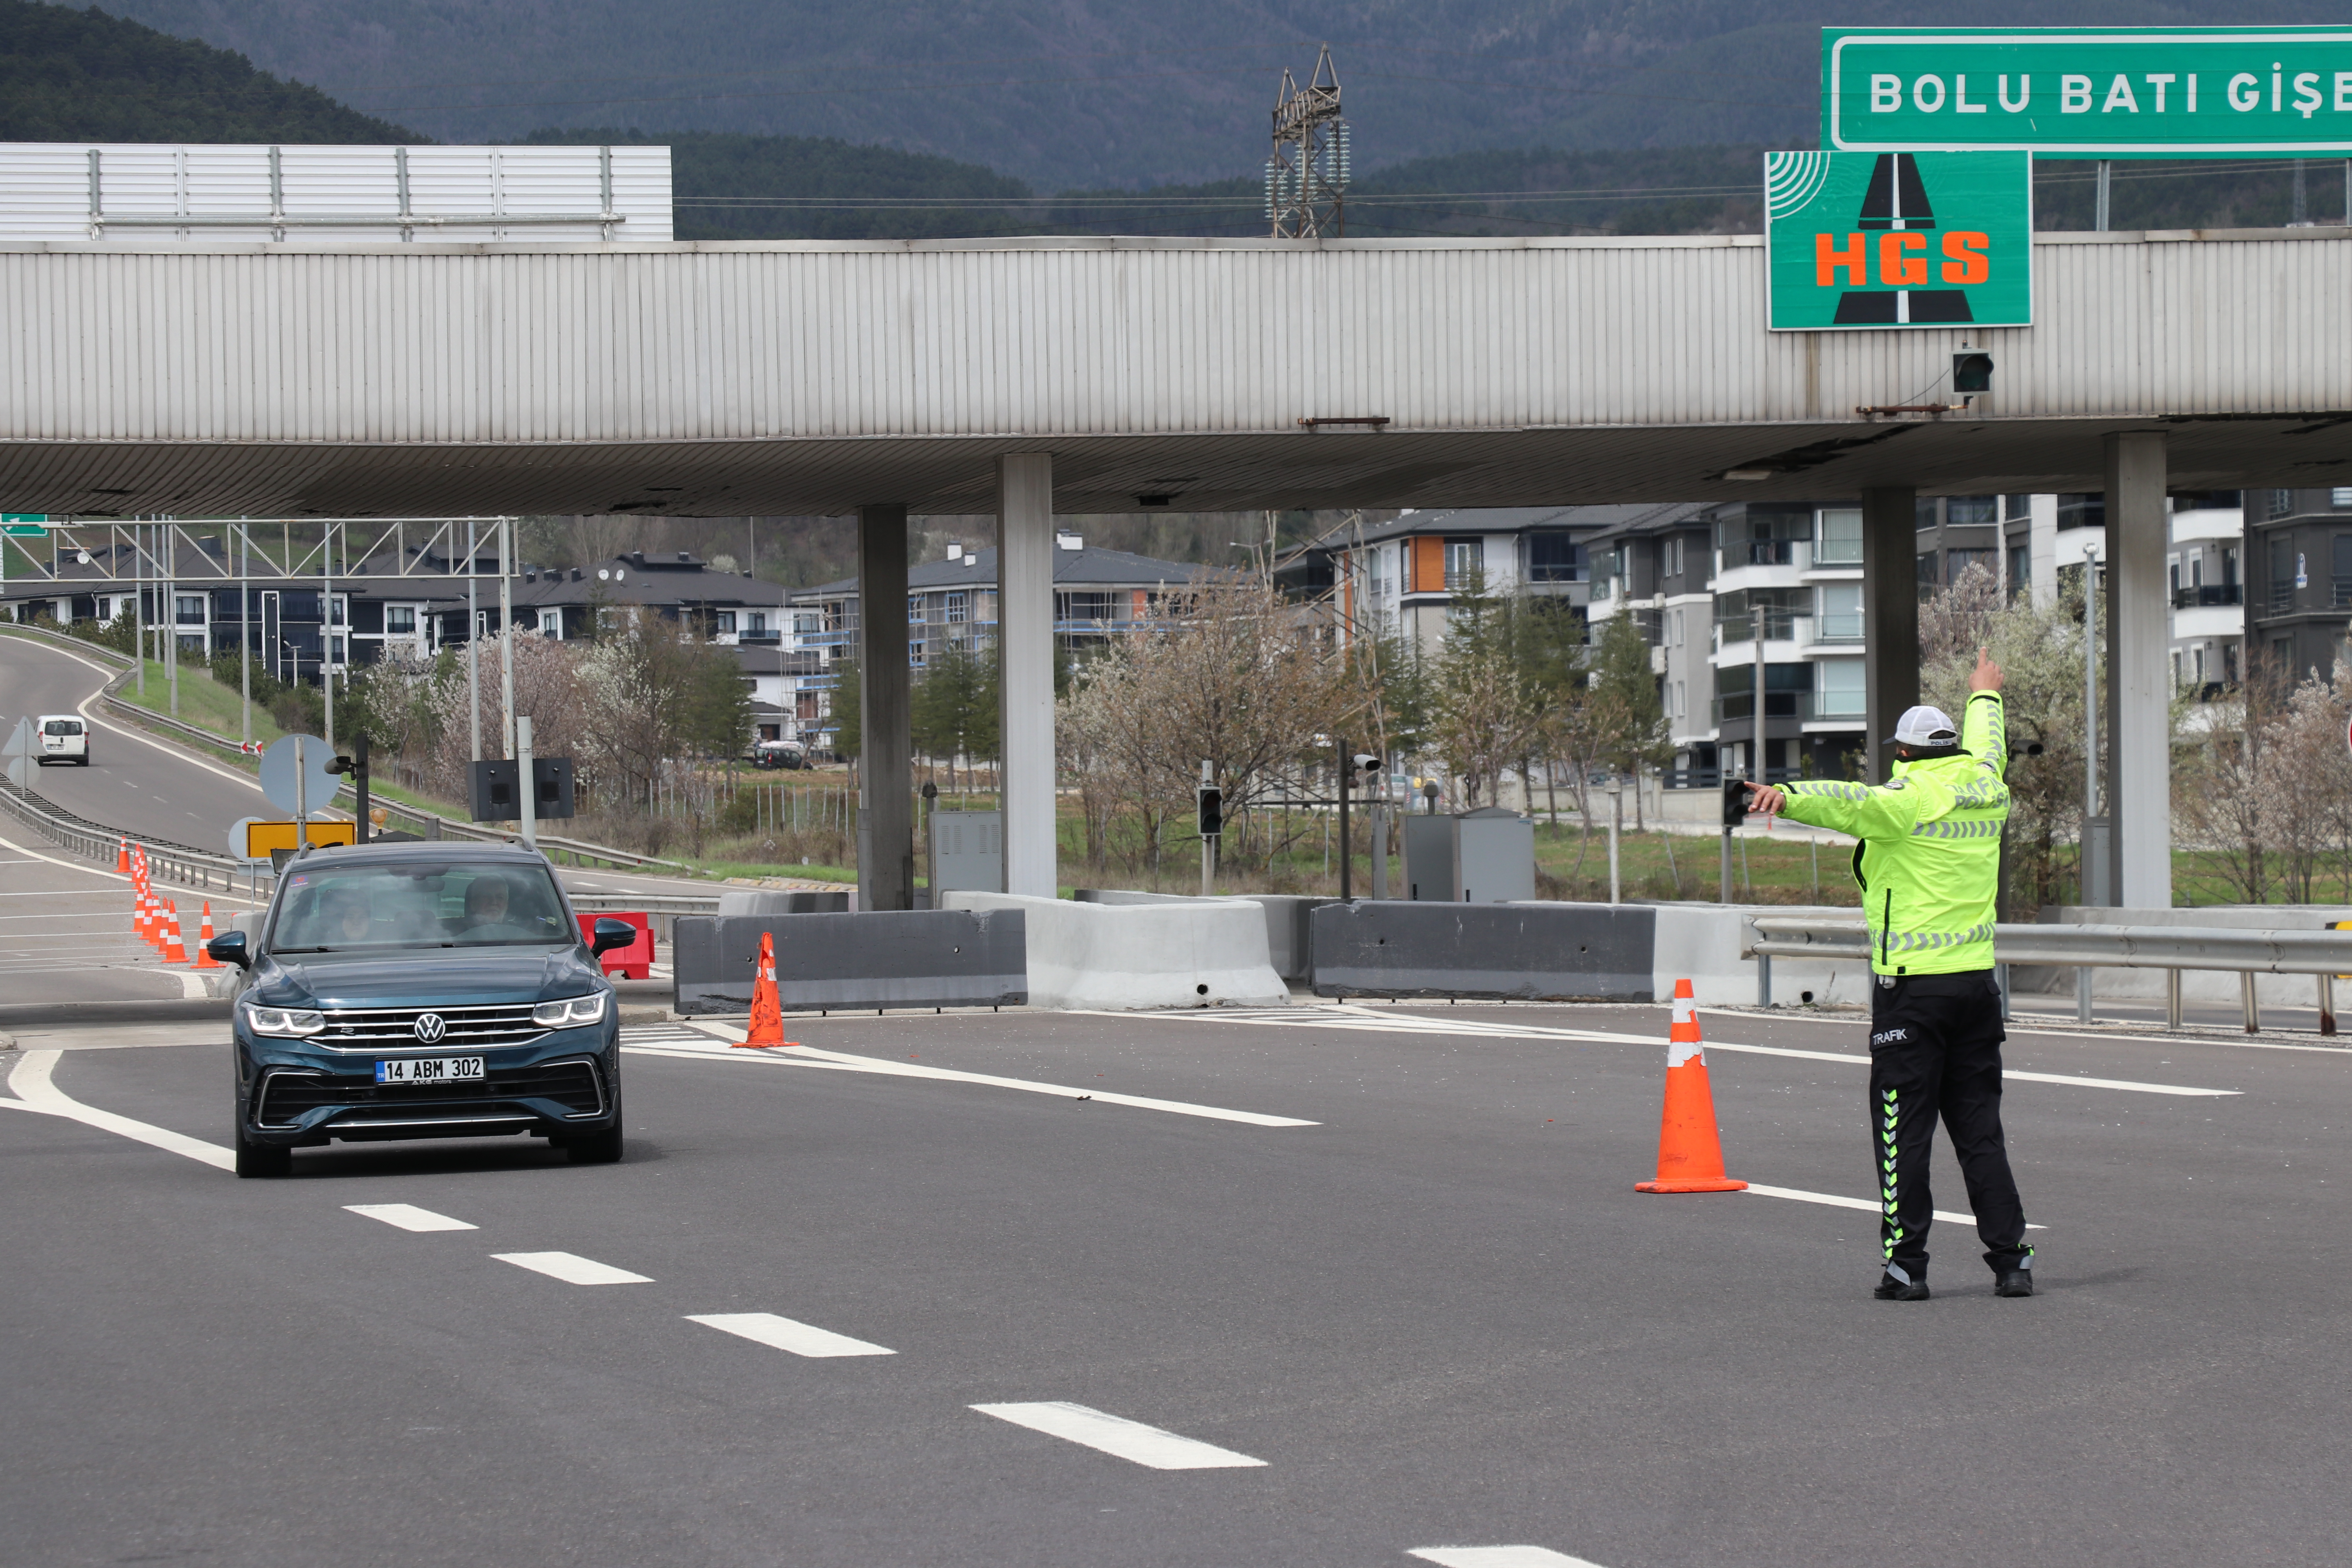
[331, 908]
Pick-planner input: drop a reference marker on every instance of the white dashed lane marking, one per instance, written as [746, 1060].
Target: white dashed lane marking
[571, 1268]
[801, 1339]
[408, 1217]
[1119, 1437]
[1499, 1557]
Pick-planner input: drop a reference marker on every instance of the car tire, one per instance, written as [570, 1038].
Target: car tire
[266, 1161]
[597, 1148]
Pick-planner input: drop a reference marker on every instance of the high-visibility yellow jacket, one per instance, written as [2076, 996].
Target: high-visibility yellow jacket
[1929, 860]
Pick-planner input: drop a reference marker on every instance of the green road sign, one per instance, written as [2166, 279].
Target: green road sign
[24, 531]
[1899, 239]
[2089, 93]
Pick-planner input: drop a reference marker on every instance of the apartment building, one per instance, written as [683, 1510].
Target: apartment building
[1405, 577]
[2300, 540]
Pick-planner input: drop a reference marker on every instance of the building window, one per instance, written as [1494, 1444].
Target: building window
[914, 609]
[2282, 503]
[808, 624]
[1086, 606]
[1763, 538]
[2340, 578]
[1927, 571]
[722, 621]
[1673, 555]
[959, 608]
[1556, 557]
[1843, 689]
[1466, 562]
[400, 619]
[1838, 615]
[189, 609]
[1961, 510]
[2341, 495]
[2082, 510]
[2021, 567]
[1959, 561]
[550, 623]
[2017, 509]
[1839, 538]
[1782, 607]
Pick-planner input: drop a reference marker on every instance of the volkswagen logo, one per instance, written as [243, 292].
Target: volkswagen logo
[430, 1027]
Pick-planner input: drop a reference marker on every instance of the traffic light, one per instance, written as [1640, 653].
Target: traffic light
[1213, 811]
[1735, 802]
[1973, 373]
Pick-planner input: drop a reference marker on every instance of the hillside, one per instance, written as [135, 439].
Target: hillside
[1118, 93]
[76, 75]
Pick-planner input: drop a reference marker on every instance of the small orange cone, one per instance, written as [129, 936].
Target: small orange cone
[767, 1007]
[144, 923]
[1690, 1155]
[123, 855]
[172, 951]
[204, 959]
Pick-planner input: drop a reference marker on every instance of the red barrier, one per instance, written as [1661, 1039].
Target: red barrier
[633, 962]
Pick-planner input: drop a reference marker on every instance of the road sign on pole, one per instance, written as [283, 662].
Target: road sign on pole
[24, 746]
[2089, 93]
[1899, 239]
[278, 780]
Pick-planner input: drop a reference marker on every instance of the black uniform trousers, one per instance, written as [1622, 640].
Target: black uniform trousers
[1934, 1049]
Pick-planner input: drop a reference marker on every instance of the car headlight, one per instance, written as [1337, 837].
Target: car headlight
[570, 1012]
[296, 1022]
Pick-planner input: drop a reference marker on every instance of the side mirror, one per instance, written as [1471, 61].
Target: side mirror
[229, 947]
[610, 935]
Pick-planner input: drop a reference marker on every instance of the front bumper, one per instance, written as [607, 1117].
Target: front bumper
[293, 1095]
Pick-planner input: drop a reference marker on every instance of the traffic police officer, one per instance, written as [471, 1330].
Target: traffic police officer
[1929, 867]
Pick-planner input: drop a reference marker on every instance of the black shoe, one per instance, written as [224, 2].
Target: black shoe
[1890, 1289]
[2013, 1282]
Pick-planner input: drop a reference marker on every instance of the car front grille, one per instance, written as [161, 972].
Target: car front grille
[394, 1028]
[287, 1096]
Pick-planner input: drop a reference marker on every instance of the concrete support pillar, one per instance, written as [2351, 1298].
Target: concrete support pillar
[885, 865]
[1025, 639]
[1890, 614]
[2140, 676]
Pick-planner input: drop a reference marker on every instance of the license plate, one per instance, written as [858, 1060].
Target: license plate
[429, 1070]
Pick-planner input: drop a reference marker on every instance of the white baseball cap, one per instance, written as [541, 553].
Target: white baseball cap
[1924, 727]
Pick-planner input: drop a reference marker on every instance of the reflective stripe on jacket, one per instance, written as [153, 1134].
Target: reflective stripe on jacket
[1929, 860]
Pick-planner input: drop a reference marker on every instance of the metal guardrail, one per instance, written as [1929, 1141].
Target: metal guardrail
[178, 863]
[2174, 949]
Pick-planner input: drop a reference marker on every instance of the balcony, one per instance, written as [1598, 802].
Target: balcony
[2281, 596]
[2209, 595]
[1843, 627]
[759, 640]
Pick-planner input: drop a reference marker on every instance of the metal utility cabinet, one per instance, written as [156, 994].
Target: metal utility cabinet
[1484, 857]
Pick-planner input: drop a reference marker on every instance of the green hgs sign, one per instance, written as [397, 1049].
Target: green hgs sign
[1865, 240]
[2089, 93]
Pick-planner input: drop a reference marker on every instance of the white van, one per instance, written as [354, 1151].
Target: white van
[65, 738]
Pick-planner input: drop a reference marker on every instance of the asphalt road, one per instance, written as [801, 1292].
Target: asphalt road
[1436, 1311]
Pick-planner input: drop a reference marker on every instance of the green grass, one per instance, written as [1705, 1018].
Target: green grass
[204, 702]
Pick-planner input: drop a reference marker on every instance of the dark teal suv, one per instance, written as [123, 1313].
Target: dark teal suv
[422, 991]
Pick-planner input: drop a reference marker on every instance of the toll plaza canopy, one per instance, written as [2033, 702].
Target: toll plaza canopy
[799, 378]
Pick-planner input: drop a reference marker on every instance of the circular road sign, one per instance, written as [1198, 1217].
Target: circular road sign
[277, 774]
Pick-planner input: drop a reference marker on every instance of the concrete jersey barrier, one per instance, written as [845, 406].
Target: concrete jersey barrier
[1138, 957]
[832, 960]
[1288, 938]
[1532, 952]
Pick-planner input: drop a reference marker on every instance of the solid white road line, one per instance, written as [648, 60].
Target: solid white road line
[408, 1217]
[1499, 1557]
[801, 1339]
[571, 1268]
[29, 1081]
[1951, 1216]
[1117, 1437]
[812, 1056]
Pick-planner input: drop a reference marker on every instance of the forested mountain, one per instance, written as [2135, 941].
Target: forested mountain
[76, 75]
[1115, 93]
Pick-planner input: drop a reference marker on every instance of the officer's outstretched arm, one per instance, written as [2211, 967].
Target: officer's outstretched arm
[1984, 729]
[1887, 811]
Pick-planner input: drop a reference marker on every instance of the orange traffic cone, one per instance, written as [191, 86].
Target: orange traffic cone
[145, 922]
[204, 959]
[172, 951]
[767, 1007]
[123, 855]
[1690, 1155]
